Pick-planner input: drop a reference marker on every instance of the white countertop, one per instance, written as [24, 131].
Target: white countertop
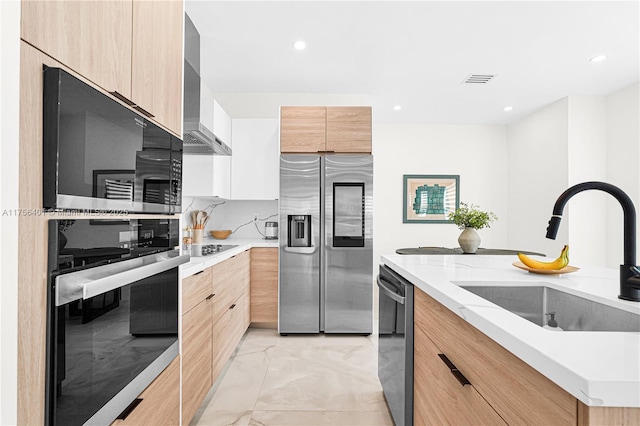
[199, 263]
[598, 368]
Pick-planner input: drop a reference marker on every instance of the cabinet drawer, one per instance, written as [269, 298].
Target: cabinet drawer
[196, 357]
[515, 390]
[230, 281]
[195, 289]
[439, 398]
[160, 403]
[227, 332]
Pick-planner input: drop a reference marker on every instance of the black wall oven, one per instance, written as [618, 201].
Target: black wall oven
[112, 314]
[99, 155]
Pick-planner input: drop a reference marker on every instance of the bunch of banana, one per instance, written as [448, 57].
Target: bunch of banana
[559, 263]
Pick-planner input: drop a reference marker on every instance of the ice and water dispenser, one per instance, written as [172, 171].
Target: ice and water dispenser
[299, 227]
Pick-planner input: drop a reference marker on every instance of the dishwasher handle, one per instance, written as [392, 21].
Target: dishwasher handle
[390, 293]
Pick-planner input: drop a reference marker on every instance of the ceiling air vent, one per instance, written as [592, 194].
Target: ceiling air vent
[479, 78]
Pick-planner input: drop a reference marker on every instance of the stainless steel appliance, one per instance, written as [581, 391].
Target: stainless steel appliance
[112, 314]
[198, 139]
[395, 344]
[209, 249]
[326, 259]
[271, 230]
[99, 155]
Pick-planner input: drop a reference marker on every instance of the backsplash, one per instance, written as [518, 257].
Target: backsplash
[230, 214]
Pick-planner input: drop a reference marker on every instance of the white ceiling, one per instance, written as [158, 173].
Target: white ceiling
[417, 53]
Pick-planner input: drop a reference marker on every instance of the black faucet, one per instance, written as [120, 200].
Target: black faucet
[629, 271]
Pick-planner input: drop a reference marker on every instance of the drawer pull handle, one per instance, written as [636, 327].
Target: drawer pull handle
[125, 413]
[198, 273]
[232, 306]
[209, 297]
[454, 370]
[143, 111]
[123, 98]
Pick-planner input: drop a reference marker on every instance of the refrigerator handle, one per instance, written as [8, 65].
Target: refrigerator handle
[390, 293]
[301, 250]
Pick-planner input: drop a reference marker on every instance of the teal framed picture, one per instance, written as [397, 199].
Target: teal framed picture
[430, 198]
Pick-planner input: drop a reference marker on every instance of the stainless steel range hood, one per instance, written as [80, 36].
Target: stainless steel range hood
[198, 139]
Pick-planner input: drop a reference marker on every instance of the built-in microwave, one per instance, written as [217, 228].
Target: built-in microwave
[99, 155]
[112, 324]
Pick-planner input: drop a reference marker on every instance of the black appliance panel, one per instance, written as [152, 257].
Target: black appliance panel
[99, 155]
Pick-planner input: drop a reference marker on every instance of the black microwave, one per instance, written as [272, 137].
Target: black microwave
[100, 156]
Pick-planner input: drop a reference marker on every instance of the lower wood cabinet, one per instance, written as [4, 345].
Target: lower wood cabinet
[160, 403]
[227, 332]
[264, 285]
[517, 392]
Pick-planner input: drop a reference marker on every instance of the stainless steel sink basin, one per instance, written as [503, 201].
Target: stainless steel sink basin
[573, 313]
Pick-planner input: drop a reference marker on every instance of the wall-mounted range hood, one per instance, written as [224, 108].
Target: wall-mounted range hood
[198, 139]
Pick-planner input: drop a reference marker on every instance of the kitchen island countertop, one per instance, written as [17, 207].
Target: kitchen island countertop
[598, 368]
[199, 263]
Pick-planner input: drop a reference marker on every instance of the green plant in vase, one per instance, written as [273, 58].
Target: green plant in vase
[469, 218]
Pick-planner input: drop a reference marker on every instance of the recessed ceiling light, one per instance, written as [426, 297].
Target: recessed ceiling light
[299, 45]
[598, 58]
[508, 108]
[397, 107]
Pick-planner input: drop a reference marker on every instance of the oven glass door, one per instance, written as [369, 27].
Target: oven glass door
[103, 342]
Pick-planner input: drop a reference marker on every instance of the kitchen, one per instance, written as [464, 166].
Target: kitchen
[515, 148]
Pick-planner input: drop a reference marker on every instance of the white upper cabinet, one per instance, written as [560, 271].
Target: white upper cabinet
[255, 163]
[221, 123]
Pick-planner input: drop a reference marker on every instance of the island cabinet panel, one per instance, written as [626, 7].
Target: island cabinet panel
[160, 403]
[439, 397]
[156, 81]
[264, 285]
[93, 38]
[302, 129]
[601, 416]
[516, 391]
[197, 354]
[349, 129]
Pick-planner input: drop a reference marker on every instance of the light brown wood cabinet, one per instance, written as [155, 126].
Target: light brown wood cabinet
[197, 340]
[132, 49]
[517, 392]
[264, 285]
[325, 129]
[160, 403]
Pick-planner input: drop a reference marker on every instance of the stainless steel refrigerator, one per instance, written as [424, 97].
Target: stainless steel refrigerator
[326, 244]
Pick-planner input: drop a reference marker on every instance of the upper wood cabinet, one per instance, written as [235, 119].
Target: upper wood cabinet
[156, 84]
[132, 49]
[325, 129]
[93, 38]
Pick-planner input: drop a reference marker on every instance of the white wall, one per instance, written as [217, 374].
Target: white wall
[477, 153]
[537, 175]
[623, 162]
[9, 117]
[585, 215]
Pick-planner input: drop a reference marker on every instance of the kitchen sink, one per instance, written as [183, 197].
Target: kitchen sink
[573, 313]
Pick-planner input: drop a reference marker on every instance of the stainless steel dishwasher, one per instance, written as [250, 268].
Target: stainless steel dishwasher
[395, 344]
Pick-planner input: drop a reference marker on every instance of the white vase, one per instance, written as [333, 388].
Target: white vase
[469, 240]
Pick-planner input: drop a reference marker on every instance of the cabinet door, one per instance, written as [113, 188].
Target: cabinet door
[516, 391]
[222, 124]
[264, 285]
[160, 403]
[302, 129]
[222, 176]
[196, 358]
[439, 398]
[93, 38]
[195, 289]
[349, 129]
[156, 85]
[255, 163]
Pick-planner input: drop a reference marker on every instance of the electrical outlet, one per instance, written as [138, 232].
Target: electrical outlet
[255, 217]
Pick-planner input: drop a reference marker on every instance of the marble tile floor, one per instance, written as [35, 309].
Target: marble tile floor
[308, 380]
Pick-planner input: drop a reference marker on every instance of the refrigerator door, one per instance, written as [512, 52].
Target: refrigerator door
[299, 283]
[347, 281]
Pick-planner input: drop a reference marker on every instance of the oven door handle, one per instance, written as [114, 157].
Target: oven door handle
[92, 282]
[390, 293]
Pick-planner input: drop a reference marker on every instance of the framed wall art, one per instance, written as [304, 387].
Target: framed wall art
[430, 198]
